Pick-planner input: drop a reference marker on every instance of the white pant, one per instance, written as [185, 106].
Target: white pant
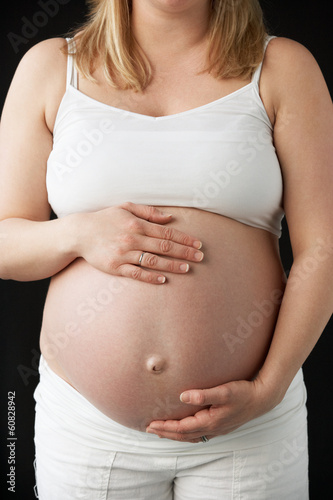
[77, 460]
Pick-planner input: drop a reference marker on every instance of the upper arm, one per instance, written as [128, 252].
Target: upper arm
[303, 137]
[25, 139]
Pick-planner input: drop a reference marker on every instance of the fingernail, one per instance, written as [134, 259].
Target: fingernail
[185, 397]
[152, 427]
[161, 279]
[198, 256]
[184, 267]
[197, 244]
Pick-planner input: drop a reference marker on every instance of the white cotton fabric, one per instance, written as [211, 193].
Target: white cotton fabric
[218, 157]
[82, 454]
[63, 405]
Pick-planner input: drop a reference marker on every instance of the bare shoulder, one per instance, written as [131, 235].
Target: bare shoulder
[43, 60]
[287, 51]
[40, 79]
[291, 71]
[25, 135]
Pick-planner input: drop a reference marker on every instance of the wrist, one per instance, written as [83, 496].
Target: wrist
[68, 236]
[272, 387]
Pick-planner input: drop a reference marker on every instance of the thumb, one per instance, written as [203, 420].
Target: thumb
[202, 397]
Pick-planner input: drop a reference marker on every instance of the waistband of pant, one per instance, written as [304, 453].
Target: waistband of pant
[61, 407]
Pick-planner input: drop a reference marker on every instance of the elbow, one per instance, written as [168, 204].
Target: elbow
[4, 268]
[311, 264]
[320, 252]
[6, 253]
[4, 275]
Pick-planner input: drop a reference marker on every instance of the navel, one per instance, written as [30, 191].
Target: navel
[156, 364]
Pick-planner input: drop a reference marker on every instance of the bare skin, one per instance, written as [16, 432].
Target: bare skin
[292, 90]
[132, 349]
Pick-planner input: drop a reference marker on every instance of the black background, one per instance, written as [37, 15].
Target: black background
[21, 304]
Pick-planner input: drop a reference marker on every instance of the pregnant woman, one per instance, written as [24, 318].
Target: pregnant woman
[170, 137]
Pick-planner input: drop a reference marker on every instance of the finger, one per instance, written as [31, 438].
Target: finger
[167, 247]
[184, 438]
[197, 424]
[176, 436]
[153, 261]
[147, 212]
[201, 397]
[139, 274]
[171, 234]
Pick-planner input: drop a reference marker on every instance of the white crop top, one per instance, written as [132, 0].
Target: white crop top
[217, 157]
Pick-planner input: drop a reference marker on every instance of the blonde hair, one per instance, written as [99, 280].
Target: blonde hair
[236, 36]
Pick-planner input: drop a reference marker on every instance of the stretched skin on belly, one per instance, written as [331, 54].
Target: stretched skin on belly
[131, 348]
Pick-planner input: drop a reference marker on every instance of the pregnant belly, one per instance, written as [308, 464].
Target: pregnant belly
[131, 348]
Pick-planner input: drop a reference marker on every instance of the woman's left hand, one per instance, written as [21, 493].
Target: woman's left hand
[229, 406]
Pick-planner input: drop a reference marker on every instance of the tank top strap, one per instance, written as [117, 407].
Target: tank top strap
[71, 69]
[257, 73]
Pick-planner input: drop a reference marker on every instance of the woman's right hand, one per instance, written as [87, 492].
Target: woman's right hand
[112, 240]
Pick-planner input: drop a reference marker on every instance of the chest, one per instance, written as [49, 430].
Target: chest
[169, 93]
[218, 157]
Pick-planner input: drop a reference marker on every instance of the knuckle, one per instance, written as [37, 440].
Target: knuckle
[117, 251]
[171, 266]
[110, 265]
[181, 437]
[136, 273]
[179, 430]
[128, 240]
[151, 260]
[134, 225]
[168, 233]
[149, 278]
[188, 252]
[185, 240]
[226, 393]
[151, 212]
[127, 205]
[165, 246]
[200, 398]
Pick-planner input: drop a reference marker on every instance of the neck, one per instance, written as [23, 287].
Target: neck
[169, 31]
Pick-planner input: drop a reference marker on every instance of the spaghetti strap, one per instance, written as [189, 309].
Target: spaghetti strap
[71, 69]
[257, 73]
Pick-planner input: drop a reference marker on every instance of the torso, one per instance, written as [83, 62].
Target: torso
[106, 334]
[131, 348]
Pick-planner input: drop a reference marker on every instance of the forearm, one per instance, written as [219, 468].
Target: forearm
[32, 250]
[305, 310]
